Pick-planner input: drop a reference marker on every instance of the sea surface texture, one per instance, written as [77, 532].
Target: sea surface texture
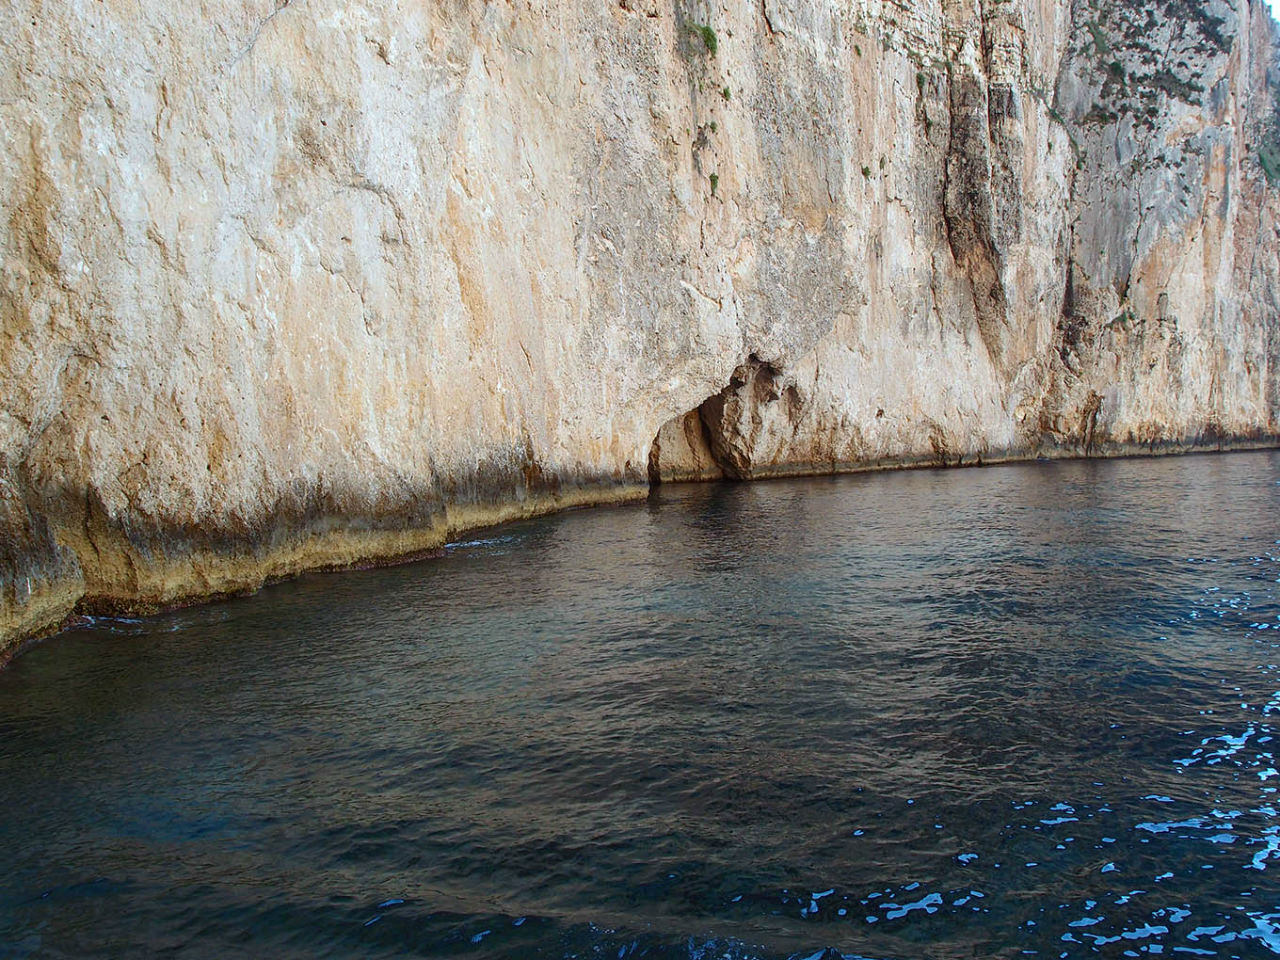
[1000, 712]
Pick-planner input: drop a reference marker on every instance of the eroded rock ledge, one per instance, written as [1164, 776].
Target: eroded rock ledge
[303, 284]
[755, 428]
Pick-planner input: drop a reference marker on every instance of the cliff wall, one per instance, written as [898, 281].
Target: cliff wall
[298, 284]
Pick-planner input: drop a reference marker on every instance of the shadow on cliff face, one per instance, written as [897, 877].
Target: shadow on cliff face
[732, 435]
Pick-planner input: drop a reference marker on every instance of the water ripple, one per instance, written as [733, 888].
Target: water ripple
[1025, 711]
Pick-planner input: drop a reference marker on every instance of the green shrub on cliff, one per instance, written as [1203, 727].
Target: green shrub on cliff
[708, 36]
[1269, 146]
[1269, 158]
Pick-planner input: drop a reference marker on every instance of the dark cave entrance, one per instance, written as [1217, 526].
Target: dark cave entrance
[724, 437]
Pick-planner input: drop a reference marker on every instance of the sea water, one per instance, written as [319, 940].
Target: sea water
[1002, 712]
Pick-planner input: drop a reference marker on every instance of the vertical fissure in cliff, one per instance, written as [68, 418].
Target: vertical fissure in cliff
[734, 434]
[973, 184]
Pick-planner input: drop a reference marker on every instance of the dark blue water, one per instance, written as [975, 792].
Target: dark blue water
[1016, 711]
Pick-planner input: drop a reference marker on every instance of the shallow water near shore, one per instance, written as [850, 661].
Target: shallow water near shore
[1013, 711]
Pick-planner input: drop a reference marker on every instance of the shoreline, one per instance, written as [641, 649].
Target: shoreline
[204, 577]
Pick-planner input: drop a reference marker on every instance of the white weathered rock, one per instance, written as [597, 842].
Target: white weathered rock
[319, 283]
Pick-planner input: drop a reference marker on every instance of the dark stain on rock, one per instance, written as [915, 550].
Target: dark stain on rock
[1089, 422]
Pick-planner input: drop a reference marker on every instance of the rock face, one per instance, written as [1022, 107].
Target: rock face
[309, 283]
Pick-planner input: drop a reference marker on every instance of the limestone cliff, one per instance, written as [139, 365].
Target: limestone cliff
[309, 283]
